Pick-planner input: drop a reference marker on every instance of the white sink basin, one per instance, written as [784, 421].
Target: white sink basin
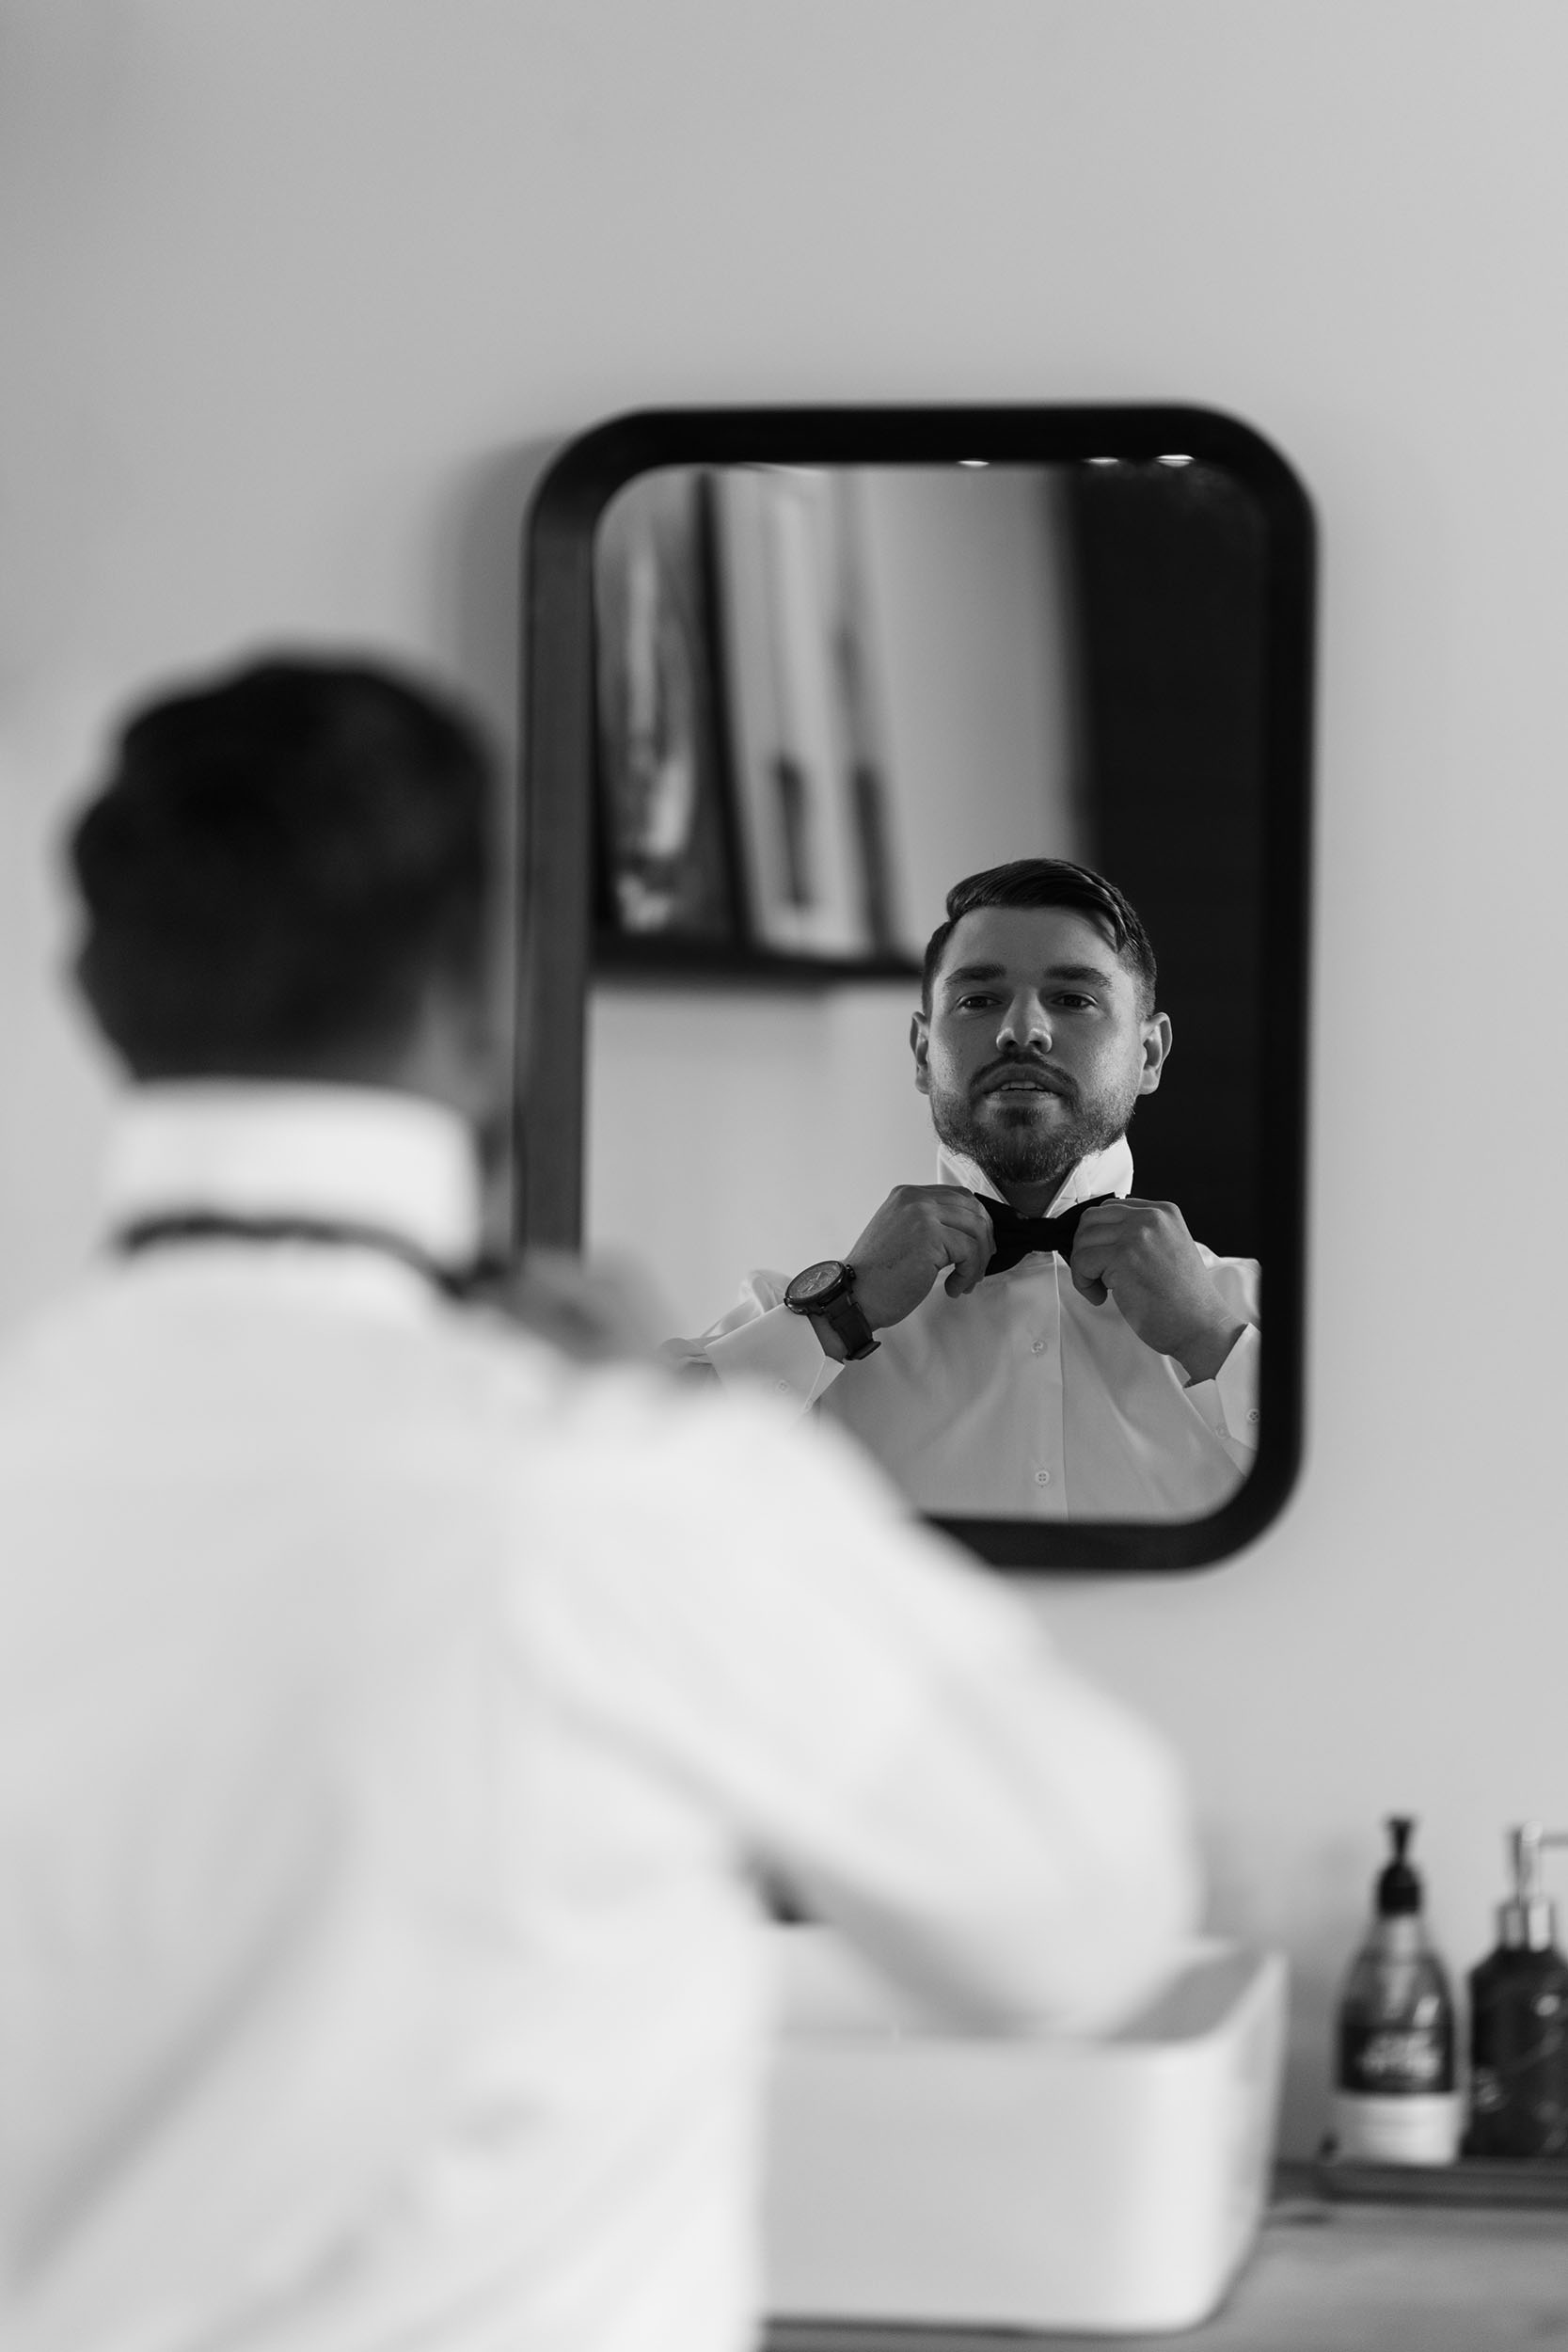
[1118, 2185]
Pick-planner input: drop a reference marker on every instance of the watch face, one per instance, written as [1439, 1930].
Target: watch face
[817, 1281]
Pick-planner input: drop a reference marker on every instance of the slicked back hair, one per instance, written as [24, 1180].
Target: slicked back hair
[279, 865]
[1048, 881]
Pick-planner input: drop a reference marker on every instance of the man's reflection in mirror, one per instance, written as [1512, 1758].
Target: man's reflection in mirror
[1026, 1336]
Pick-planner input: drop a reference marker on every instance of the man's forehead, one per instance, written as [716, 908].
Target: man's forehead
[1029, 941]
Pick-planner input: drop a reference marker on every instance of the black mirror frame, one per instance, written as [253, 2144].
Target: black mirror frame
[557, 848]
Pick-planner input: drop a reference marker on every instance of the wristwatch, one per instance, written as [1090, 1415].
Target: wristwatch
[826, 1293]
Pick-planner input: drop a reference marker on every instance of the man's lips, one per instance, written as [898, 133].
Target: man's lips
[1025, 1079]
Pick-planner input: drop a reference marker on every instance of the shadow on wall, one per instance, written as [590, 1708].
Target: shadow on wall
[477, 630]
[478, 574]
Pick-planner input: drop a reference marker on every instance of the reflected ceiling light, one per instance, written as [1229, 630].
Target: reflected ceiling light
[1104, 461]
[975, 461]
[1176, 461]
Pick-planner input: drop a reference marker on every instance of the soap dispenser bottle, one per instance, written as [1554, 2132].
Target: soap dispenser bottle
[1519, 2019]
[1395, 2098]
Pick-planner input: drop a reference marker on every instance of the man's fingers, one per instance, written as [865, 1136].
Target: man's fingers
[957, 1232]
[970, 1261]
[1088, 1280]
[1139, 1250]
[919, 1231]
[972, 1238]
[1103, 1234]
[1092, 1251]
[1109, 1220]
[933, 1217]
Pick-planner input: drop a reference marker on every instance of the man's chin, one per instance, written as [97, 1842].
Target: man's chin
[1033, 1142]
[1038, 1123]
[1015, 1168]
[1017, 1152]
[1046, 1112]
[1027, 1151]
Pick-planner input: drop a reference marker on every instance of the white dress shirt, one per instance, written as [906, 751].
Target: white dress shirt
[1023, 1399]
[389, 1717]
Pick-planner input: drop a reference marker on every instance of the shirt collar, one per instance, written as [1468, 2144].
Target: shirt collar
[1110, 1170]
[360, 1156]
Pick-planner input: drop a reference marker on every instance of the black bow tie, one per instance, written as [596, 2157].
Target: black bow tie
[1017, 1235]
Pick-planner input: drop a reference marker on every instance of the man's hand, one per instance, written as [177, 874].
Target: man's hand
[918, 1230]
[1140, 1253]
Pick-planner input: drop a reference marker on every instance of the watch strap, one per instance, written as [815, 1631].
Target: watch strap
[846, 1322]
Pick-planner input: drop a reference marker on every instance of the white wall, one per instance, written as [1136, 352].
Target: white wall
[290, 285]
[728, 1130]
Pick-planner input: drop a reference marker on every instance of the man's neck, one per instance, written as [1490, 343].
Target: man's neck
[1093, 1173]
[1034, 1199]
[355, 1154]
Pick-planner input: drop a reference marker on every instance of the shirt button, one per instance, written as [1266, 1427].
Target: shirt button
[1043, 1478]
[1039, 1348]
[1255, 1414]
[783, 1387]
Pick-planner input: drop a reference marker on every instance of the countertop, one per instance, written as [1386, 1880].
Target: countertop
[1324, 2275]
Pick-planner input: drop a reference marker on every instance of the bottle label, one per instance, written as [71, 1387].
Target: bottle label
[1388, 2061]
[1519, 2058]
[1412, 2128]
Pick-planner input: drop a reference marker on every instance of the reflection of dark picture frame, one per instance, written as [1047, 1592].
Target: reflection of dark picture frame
[780, 578]
[666, 863]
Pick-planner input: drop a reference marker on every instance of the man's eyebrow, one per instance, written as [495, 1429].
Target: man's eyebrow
[1089, 972]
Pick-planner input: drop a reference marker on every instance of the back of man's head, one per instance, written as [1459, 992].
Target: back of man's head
[1048, 881]
[283, 864]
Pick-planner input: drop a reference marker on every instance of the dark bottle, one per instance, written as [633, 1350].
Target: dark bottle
[1394, 2095]
[1519, 2020]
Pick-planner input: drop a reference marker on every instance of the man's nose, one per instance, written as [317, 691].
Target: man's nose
[1025, 1024]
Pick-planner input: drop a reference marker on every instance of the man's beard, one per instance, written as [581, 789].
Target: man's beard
[1019, 1152]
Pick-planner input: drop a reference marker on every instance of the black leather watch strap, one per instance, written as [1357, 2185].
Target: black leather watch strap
[844, 1319]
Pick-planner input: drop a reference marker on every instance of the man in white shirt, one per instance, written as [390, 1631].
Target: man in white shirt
[1104, 1366]
[393, 1715]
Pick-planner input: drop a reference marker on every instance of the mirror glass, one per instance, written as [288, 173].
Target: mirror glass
[819, 692]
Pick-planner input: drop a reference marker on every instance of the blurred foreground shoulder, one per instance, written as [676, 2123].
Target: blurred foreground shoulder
[881, 1719]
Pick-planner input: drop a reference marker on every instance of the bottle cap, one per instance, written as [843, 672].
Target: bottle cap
[1528, 1920]
[1399, 1888]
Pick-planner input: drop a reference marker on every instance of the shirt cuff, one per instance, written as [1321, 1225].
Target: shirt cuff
[779, 1348]
[1228, 1402]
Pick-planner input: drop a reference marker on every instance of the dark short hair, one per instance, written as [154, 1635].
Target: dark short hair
[279, 865]
[1048, 881]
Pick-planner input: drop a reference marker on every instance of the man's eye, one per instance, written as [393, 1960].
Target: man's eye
[1075, 1004]
[969, 1004]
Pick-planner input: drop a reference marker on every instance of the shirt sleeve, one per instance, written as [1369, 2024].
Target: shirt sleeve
[1228, 1404]
[759, 1340]
[883, 1724]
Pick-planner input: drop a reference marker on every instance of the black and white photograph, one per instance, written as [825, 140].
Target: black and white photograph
[782, 836]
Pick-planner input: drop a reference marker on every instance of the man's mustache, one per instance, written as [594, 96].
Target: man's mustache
[1017, 1066]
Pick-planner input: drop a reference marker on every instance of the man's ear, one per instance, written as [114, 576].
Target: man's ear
[1156, 1047]
[920, 1046]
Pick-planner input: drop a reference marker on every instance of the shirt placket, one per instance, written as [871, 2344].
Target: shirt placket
[1042, 1369]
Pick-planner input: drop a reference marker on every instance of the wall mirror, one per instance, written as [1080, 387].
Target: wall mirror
[790, 675]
